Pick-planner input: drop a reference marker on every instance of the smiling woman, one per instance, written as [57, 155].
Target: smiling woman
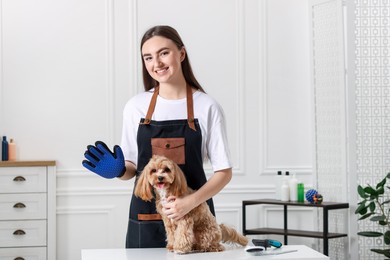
[170, 48]
[164, 65]
[181, 122]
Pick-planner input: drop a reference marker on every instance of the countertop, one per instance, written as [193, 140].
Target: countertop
[302, 253]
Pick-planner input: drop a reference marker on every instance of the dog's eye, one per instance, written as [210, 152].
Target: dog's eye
[166, 169]
[153, 171]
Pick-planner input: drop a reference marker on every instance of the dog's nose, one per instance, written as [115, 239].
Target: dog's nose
[160, 178]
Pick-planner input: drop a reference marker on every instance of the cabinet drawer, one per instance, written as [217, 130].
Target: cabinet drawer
[22, 233]
[22, 179]
[23, 206]
[33, 253]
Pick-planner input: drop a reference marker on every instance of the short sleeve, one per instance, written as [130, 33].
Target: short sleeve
[217, 142]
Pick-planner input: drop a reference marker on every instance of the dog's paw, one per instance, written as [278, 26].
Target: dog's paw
[182, 252]
[216, 248]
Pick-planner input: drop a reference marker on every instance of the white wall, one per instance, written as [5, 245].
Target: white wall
[68, 67]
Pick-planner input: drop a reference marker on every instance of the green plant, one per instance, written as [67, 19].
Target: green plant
[375, 206]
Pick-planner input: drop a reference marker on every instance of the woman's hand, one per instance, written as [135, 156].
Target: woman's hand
[177, 207]
[102, 161]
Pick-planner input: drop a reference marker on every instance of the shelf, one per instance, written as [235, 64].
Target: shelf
[327, 205]
[291, 232]
[324, 234]
[26, 163]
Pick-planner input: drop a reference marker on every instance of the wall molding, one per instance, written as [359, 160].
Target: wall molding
[77, 210]
[105, 210]
[99, 191]
[301, 170]
[234, 209]
[248, 189]
[263, 64]
[239, 168]
[110, 68]
[136, 68]
[263, 79]
[127, 190]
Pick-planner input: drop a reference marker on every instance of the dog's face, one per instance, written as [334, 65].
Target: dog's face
[160, 173]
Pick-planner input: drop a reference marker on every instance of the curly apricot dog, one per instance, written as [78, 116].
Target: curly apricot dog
[198, 231]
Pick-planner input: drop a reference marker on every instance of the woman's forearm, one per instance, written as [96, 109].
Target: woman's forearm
[213, 186]
[130, 171]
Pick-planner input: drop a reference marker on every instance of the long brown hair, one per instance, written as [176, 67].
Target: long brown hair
[169, 33]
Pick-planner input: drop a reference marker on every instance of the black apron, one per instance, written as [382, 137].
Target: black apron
[179, 140]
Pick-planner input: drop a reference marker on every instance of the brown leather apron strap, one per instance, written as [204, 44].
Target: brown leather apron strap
[147, 217]
[152, 105]
[190, 108]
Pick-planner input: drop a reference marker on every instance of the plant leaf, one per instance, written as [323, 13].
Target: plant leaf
[386, 252]
[372, 206]
[371, 191]
[383, 223]
[379, 251]
[370, 234]
[378, 218]
[361, 192]
[366, 216]
[362, 209]
[386, 237]
[381, 183]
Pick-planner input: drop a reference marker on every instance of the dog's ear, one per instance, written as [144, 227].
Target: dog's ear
[180, 183]
[143, 189]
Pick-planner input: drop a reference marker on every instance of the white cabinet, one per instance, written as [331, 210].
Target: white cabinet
[28, 210]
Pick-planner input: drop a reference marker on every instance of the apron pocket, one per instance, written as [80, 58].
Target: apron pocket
[172, 148]
[145, 234]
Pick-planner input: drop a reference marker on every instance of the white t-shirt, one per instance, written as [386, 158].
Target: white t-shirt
[210, 116]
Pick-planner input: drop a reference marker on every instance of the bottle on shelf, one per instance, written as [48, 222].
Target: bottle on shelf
[301, 192]
[285, 190]
[11, 150]
[278, 185]
[4, 149]
[288, 175]
[293, 185]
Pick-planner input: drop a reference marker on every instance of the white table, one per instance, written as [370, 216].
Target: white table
[302, 253]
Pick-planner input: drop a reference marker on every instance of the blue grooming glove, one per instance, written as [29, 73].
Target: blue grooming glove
[103, 162]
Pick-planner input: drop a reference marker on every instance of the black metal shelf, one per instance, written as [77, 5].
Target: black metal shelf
[292, 232]
[324, 234]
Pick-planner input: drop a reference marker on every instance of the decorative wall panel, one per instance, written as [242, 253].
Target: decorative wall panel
[372, 82]
[285, 119]
[329, 113]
